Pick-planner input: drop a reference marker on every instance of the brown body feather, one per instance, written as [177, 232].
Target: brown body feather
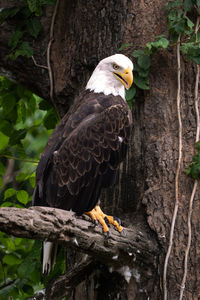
[84, 152]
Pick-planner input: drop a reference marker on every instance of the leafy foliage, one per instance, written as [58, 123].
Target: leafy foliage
[178, 23]
[23, 135]
[193, 169]
[142, 66]
[26, 20]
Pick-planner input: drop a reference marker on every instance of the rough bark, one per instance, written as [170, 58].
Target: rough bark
[69, 230]
[84, 32]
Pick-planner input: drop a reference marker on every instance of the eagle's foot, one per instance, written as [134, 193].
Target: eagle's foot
[97, 215]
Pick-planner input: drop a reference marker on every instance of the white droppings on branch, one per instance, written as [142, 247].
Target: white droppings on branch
[125, 272]
[115, 257]
[75, 242]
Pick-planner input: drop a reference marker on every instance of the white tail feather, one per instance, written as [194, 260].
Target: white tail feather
[47, 252]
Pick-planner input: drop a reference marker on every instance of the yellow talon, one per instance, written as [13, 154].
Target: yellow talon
[97, 214]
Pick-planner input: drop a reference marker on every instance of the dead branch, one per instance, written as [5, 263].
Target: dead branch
[64, 284]
[65, 227]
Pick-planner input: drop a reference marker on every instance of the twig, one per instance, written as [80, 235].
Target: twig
[6, 284]
[20, 159]
[176, 206]
[9, 172]
[62, 286]
[51, 38]
[195, 183]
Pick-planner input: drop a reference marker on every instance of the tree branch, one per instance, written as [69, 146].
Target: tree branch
[64, 284]
[45, 223]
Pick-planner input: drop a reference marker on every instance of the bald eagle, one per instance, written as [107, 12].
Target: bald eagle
[85, 150]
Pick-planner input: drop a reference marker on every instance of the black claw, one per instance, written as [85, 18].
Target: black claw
[106, 221]
[123, 232]
[107, 234]
[95, 222]
[118, 220]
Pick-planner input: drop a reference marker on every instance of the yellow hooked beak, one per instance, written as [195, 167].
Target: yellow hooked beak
[125, 77]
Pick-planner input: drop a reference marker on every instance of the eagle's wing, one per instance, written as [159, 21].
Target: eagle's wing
[87, 160]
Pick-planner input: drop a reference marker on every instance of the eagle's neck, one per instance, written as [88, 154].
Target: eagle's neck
[101, 82]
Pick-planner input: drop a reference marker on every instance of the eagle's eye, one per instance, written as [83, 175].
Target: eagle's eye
[115, 67]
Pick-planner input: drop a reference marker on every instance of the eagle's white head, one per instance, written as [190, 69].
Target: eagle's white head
[112, 75]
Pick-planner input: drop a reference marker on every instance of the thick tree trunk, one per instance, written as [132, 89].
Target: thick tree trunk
[84, 33]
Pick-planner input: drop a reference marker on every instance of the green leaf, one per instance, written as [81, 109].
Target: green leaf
[22, 196]
[28, 264]
[6, 127]
[34, 26]
[11, 260]
[7, 204]
[143, 73]
[20, 91]
[144, 62]
[32, 180]
[161, 43]
[130, 93]
[50, 119]
[8, 290]
[1, 182]
[130, 103]
[141, 83]
[4, 140]
[31, 104]
[23, 50]
[17, 136]
[137, 53]
[164, 43]
[185, 47]
[188, 4]
[197, 146]
[196, 60]
[8, 102]
[8, 13]
[179, 26]
[45, 105]
[9, 193]
[2, 168]
[190, 24]
[15, 38]
[21, 177]
[193, 170]
[34, 6]
[173, 4]
[21, 111]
